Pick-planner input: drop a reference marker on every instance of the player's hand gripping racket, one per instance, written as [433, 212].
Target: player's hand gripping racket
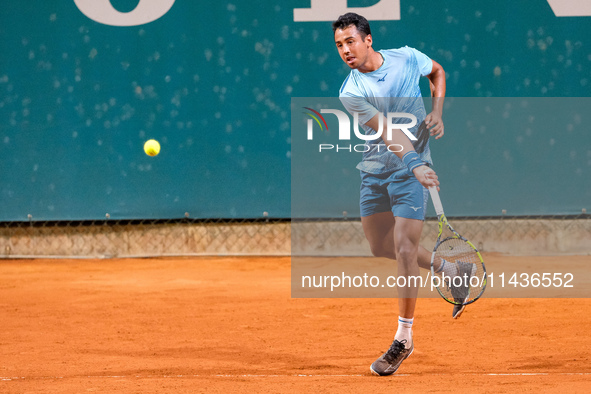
[462, 279]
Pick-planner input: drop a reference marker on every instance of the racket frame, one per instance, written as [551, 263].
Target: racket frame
[442, 220]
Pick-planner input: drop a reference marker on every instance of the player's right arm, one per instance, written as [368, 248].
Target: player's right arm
[424, 174]
[437, 84]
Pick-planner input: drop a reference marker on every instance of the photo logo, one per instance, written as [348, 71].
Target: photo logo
[344, 134]
[315, 116]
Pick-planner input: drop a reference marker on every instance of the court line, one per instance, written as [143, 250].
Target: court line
[5, 378]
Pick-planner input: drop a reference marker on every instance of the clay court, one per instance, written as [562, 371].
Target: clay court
[229, 324]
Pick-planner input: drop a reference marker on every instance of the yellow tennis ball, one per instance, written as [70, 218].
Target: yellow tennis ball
[152, 147]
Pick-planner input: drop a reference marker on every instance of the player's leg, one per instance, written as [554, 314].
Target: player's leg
[379, 231]
[380, 196]
[407, 201]
[406, 236]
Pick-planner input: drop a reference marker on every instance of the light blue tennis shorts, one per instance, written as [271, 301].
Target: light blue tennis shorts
[395, 191]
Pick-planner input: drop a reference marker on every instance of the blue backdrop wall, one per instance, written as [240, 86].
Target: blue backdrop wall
[213, 82]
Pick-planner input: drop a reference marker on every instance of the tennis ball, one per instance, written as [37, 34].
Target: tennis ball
[152, 147]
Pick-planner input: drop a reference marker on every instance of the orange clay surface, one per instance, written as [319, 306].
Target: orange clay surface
[187, 325]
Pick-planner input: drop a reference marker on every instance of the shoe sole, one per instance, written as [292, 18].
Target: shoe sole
[393, 372]
[459, 312]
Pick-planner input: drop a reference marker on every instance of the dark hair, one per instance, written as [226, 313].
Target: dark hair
[354, 19]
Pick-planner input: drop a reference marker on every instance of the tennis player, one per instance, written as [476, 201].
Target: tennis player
[394, 182]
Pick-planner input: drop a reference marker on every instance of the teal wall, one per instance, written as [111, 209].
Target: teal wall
[213, 82]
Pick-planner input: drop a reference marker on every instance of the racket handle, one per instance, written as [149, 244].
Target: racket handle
[436, 200]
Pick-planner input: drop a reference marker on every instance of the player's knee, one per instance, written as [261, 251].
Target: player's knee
[406, 252]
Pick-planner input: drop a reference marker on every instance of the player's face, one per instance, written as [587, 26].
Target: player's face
[353, 49]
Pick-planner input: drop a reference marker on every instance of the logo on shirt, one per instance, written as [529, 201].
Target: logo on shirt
[383, 79]
[416, 208]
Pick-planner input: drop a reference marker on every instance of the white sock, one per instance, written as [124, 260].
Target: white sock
[404, 331]
[447, 268]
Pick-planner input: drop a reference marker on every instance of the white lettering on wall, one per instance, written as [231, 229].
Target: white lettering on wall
[571, 7]
[330, 10]
[102, 11]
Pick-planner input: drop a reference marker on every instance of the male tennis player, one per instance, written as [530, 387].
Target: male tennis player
[394, 181]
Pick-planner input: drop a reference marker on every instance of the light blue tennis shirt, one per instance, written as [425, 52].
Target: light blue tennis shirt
[394, 87]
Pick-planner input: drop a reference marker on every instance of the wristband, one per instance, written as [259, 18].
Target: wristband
[412, 160]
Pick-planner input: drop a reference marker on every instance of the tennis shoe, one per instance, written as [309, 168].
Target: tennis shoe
[462, 292]
[389, 362]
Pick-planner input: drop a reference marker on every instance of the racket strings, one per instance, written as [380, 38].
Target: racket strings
[469, 279]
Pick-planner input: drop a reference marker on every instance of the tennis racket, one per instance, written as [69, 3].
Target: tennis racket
[466, 278]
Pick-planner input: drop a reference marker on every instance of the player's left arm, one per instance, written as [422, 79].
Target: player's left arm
[437, 85]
